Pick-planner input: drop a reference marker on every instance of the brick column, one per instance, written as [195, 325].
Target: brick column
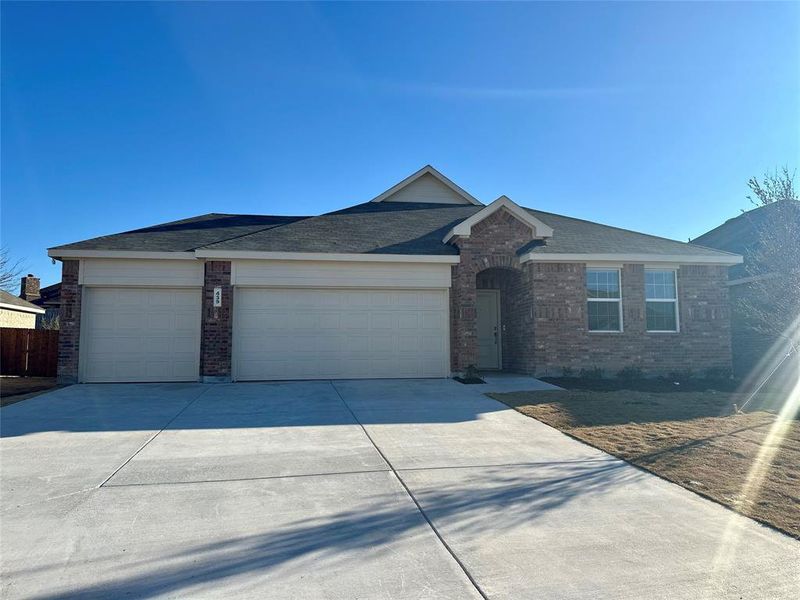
[69, 323]
[463, 319]
[217, 331]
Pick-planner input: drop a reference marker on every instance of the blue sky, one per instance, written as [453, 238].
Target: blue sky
[645, 116]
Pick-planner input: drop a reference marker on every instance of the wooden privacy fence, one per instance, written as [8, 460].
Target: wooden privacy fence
[29, 352]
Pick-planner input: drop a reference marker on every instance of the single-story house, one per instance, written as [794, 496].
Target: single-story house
[422, 281]
[17, 313]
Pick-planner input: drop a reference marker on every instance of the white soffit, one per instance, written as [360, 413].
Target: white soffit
[465, 196]
[464, 229]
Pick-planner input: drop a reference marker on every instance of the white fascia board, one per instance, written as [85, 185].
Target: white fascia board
[428, 170]
[464, 229]
[33, 309]
[324, 256]
[67, 253]
[675, 259]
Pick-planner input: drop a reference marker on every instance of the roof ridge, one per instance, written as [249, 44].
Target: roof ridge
[249, 233]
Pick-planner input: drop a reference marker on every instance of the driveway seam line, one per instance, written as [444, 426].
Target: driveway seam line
[154, 436]
[413, 498]
[264, 478]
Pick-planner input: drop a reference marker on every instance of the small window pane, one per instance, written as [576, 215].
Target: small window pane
[659, 285]
[603, 316]
[602, 284]
[661, 316]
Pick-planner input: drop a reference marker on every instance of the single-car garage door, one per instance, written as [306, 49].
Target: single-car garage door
[340, 334]
[141, 334]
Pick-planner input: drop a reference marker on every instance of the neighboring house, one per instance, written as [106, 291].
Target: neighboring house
[17, 312]
[422, 281]
[741, 235]
[50, 300]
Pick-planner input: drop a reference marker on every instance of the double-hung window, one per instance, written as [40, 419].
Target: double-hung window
[604, 300]
[661, 300]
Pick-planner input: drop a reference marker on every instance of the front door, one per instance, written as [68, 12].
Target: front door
[488, 329]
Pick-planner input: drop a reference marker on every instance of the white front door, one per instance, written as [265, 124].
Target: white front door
[299, 333]
[488, 329]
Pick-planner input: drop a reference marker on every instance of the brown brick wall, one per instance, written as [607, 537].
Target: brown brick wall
[217, 329]
[493, 244]
[69, 323]
[562, 338]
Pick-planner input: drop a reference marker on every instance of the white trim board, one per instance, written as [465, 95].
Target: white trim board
[464, 229]
[67, 253]
[428, 170]
[16, 307]
[674, 259]
[314, 256]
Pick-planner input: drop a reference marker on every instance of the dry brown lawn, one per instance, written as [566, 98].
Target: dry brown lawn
[693, 439]
[15, 389]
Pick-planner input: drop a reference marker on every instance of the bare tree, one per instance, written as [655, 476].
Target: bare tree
[49, 322]
[773, 187]
[10, 271]
[772, 303]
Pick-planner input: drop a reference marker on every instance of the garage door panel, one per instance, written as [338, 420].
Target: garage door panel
[135, 334]
[317, 334]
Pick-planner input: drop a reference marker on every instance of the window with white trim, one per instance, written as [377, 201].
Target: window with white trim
[661, 300]
[604, 300]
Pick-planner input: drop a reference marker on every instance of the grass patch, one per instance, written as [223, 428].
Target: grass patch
[691, 438]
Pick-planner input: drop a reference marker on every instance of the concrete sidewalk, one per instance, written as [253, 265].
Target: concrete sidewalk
[371, 489]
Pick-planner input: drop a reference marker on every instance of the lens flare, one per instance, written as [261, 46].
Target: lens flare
[785, 350]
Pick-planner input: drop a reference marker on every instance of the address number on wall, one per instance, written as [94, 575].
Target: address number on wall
[217, 297]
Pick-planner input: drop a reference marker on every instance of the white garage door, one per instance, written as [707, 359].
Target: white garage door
[138, 334]
[340, 334]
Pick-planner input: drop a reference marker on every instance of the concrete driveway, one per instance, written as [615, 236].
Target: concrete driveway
[351, 489]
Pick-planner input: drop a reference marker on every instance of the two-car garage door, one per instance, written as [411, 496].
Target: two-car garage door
[153, 334]
[296, 333]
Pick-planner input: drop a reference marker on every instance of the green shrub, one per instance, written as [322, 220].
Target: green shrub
[718, 373]
[630, 373]
[592, 373]
[683, 375]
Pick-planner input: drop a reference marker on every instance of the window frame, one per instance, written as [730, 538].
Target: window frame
[674, 301]
[618, 271]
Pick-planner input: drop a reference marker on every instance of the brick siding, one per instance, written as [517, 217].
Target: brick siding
[562, 338]
[492, 244]
[544, 315]
[69, 323]
[217, 328]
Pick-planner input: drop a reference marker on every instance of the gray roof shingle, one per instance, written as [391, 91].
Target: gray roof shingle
[7, 298]
[374, 228]
[184, 235]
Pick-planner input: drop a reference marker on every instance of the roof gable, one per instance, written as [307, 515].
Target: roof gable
[464, 229]
[427, 186]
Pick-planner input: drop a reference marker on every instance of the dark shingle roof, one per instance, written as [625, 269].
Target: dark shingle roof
[377, 228]
[740, 234]
[373, 227]
[184, 235]
[576, 236]
[7, 298]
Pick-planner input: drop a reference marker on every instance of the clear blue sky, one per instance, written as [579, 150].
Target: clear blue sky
[645, 116]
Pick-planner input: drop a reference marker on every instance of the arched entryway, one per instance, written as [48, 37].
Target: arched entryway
[499, 306]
